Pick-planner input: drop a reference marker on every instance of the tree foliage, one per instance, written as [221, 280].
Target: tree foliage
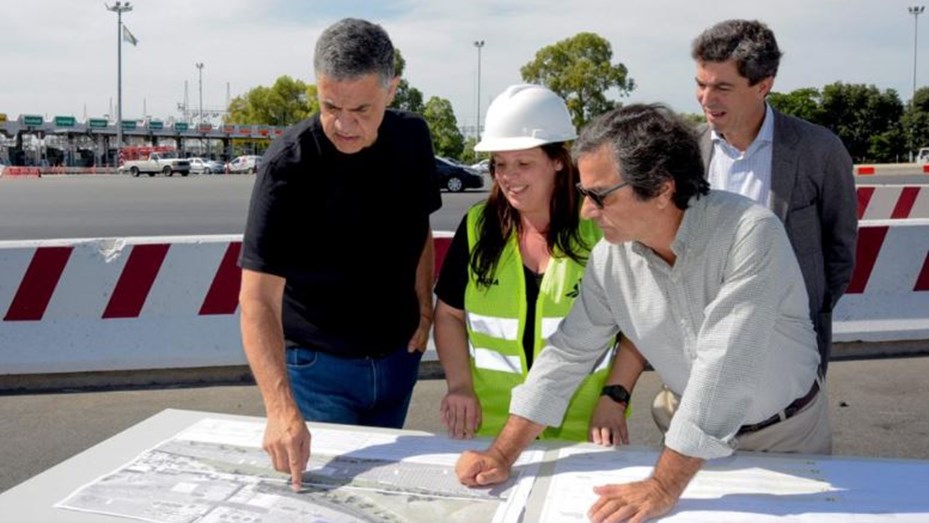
[802, 103]
[915, 121]
[284, 103]
[866, 119]
[469, 155]
[579, 69]
[446, 138]
[408, 98]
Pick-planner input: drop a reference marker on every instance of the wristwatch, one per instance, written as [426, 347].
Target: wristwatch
[617, 393]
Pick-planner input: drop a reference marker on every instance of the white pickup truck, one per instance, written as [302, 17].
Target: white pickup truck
[157, 163]
[923, 155]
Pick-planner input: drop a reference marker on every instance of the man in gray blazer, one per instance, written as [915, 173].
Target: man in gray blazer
[799, 170]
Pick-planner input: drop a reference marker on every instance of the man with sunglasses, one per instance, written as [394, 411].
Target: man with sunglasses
[706, 286]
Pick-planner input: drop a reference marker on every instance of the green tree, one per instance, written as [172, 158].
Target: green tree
[284, 103]
[579, 69]
[446, 138]
[469, 155]
[865, 118]
[915, 121]
[408, 98]
[312, 99]
[803, 103]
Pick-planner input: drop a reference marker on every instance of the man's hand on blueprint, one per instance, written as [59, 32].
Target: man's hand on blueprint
[478, 469]
[287, 441]
[643, 500]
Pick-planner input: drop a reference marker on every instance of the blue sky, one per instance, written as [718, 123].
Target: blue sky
[58, 57]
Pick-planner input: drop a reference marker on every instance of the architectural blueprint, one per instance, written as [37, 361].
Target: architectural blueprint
[751, 487]
[216, 472]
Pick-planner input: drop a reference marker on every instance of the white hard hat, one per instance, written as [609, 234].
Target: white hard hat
[525, 116]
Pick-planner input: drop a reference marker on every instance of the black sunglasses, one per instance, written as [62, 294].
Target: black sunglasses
[598, 196]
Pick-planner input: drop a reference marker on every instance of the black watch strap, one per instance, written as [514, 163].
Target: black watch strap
[617, 393]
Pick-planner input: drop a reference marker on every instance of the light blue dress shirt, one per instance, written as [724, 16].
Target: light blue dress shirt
[747, 173]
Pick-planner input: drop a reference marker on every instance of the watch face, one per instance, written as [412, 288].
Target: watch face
[617, 393]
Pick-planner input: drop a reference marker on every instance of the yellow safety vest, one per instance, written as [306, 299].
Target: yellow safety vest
[496, 319]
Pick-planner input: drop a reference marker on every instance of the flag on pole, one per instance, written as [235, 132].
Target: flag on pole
[127, 36]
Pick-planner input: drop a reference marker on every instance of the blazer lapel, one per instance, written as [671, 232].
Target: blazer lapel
[706, 147]
[783, 165]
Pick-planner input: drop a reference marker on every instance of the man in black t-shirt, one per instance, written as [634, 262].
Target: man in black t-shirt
[337, 257]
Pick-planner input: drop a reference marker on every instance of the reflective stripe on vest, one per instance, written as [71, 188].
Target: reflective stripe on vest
[495, 327]
[549, 326]
[490, 359]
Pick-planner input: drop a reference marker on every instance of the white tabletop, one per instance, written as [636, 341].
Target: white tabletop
[746, 486]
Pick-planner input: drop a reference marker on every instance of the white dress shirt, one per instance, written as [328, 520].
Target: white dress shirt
[747, 173]
[727, 327]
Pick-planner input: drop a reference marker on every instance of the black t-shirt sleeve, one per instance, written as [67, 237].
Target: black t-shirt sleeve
[431, 198]
[266, 224]
[453, 277]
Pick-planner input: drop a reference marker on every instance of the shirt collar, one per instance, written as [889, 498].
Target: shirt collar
[765, 134]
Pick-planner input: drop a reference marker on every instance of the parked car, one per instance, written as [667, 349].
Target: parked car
[923, 155]
[217, 167]
[482, 166]
[166, 163]
[455, 177]
[203, 166]
[245, 164]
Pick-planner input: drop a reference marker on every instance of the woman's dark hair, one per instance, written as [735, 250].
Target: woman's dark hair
[499, 220]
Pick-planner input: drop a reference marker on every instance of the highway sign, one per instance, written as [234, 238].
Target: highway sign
[64, 121]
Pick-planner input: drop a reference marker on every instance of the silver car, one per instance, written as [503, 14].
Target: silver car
[203, 166]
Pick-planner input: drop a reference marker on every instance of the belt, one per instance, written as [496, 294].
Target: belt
[787, 413]
[373, 355]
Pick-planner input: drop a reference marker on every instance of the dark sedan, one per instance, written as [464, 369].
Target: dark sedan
[456, 177]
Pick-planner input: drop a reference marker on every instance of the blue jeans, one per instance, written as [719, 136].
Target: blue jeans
[354, 391]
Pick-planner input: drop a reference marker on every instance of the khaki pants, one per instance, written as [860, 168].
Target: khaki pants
[807, 432]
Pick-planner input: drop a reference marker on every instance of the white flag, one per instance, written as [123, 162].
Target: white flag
[127, 36]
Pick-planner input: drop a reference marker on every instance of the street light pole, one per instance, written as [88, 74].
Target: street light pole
[915, 10]
[200, 73]
[119, 8]
[200, 87]
[479, 44]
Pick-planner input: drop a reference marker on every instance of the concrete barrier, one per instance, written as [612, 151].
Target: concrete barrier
[70, 171]
[888, 297]
[71, 306]
[40, 172]
[892, 202]
[15, 171]
[891, 169]
[119, 304]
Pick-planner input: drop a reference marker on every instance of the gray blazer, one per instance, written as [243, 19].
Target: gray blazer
[813, 193]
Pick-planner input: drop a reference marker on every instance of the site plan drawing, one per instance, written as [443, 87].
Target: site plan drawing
[751, 487]
[216, 472]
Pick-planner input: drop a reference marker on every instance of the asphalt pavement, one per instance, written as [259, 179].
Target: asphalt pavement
[120, 206]
[878, 409]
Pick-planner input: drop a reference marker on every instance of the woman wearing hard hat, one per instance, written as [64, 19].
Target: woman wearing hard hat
[512, 273]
